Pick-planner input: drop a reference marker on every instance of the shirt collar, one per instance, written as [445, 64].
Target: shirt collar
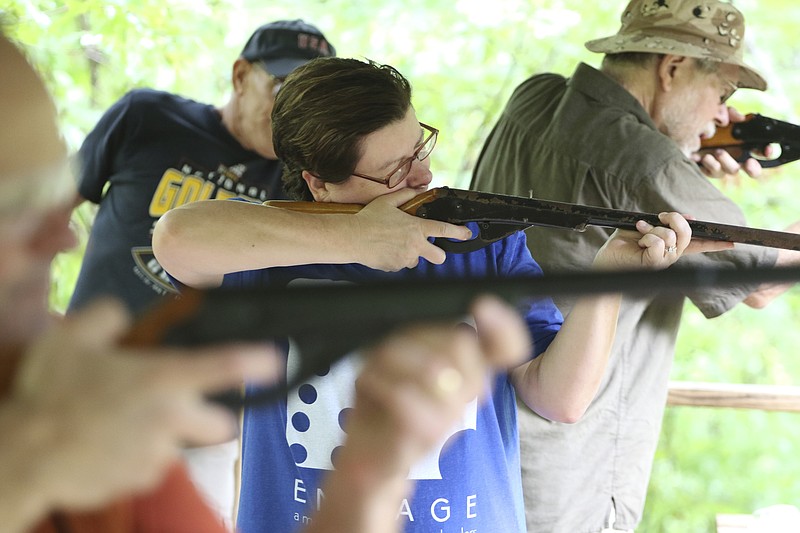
[596, 85]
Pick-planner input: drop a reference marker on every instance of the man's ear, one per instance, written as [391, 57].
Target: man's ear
[241, 68]
[318, 187]
[669, 68]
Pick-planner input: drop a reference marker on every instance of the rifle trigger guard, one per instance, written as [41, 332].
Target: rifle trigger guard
[489, 233]
[460, 247]
[789, 152]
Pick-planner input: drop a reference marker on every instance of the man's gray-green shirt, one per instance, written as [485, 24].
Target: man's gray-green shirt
[587, 140]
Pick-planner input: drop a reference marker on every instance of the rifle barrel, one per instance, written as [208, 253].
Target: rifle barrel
[459, 206]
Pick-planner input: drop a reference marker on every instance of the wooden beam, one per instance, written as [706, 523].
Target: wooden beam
[740, 396]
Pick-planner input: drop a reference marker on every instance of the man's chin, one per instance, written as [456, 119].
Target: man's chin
[690, 147]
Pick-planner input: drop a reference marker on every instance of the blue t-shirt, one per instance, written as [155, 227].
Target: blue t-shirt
[470, 483]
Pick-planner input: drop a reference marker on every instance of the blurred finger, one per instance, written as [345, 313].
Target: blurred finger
[103, 320]
[215, 369]
[735, 115]
[504, 336]
[727, 164]
[752, 168]
[202, 423]
[710, 166]
[432, 254]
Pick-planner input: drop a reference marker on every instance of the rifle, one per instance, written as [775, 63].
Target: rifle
[500, 215]
[328, 321]
[748, 139]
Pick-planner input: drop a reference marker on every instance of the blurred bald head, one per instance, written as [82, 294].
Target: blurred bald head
[30, 132]
[36, 193]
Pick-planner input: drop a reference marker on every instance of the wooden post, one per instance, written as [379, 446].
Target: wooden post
[734, 395]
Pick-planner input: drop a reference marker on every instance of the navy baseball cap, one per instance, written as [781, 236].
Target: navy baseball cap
[284, 45]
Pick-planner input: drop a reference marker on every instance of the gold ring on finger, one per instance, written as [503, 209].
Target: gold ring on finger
[448, 381]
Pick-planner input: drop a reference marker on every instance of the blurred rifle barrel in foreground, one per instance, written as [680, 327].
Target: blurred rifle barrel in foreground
[328, 321]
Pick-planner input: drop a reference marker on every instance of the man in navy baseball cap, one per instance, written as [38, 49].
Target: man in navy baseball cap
[152, 151]
[284, 45]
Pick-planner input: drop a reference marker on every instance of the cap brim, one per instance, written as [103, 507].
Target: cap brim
[617, 44]
[749, 78]
[284, 66]
[604, 45]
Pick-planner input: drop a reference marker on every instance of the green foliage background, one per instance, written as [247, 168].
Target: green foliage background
[464, 57]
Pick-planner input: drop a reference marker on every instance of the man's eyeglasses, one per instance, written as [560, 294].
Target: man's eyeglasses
[423, 150]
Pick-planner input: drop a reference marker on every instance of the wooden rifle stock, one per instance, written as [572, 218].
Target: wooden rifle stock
[499, 215]
[750, 138]
[331, 208]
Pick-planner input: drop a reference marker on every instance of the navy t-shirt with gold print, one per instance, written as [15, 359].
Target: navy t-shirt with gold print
[150, 152]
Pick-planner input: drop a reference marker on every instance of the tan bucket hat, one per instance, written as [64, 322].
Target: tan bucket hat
[692, 28]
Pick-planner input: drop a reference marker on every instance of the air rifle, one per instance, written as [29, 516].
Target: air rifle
[328, 321]
[749, 138]
[499, 215]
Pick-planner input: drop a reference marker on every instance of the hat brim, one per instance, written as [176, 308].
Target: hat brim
[284, 66]
[749, 78]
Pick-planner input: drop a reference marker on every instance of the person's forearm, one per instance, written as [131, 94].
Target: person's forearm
[365, 491]
[23, 500]
[360, 499]
[762, 296]
[561, 383]
[199, 243]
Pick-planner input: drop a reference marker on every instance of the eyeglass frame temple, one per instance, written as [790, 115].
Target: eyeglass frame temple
[433, 134]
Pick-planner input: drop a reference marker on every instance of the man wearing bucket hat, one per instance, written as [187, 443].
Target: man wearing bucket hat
[152, 151]
[625, 136]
